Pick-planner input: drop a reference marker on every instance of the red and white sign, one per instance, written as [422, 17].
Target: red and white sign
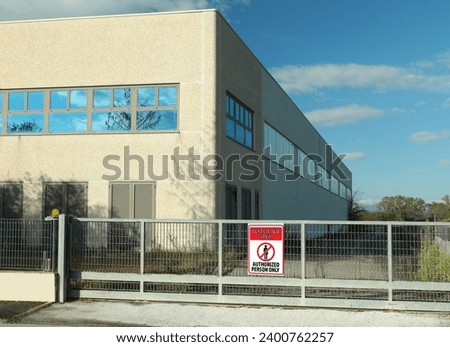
[266, 249]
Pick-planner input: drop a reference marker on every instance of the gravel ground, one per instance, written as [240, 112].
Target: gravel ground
[11, 311]
[119, 313]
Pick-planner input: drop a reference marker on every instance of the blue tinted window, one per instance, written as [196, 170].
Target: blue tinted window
[99, 120]
[111, 121]
[146, 97]
[67, 122]
[167, 96]
[241, 114]
[232, 108]
[78, 98]
[123, 108]
[25, 123]
[239, 122]
[230, 127]
[156, 120]
[122, 97]
[58, 100]
[248, 138]
[239, 133]
[36, 100]
[281, 149]
[102, 98]
[16, 101]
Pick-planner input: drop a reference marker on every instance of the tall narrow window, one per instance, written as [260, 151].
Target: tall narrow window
[239, 122]
[278, 148]
[11, 200]
[257, 207]
[334, 185]
[230, 202]
[246, 203]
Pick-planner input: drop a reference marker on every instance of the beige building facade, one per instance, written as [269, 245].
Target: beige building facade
[165, 115]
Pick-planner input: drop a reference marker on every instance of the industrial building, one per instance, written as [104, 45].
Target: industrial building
[162, 115]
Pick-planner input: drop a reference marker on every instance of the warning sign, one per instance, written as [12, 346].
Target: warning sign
[266, 249]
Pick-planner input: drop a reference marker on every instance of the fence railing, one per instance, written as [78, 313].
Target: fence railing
[326, 263]
[28, 245]
[340, 264]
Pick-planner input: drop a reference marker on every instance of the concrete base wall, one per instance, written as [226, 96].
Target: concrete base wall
[27, 286]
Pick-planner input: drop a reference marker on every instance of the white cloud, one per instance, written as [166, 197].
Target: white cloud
[444, 163]
[308, 79]
[369, 202]
[429, 136]
[398, 110]
[33, 9]
[343, 115]
[354, 156]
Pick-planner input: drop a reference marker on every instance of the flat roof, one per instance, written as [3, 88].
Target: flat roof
[165, 13]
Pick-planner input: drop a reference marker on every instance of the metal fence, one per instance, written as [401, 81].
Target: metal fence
[28, 245]
[332, 264]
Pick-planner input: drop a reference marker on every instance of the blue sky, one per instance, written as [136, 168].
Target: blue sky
[372, 76]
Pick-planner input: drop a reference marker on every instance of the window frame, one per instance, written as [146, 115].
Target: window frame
[65, 197]
[88, 110]
[2, 203]
[231, 207]
[302, 163]
[246, 204]
[131, 197]
[241, 116]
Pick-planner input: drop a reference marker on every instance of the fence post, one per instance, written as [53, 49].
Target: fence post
[142, 255]
[389, 240]
[55, 230]
[303, 261]
[62, 278]
[220, 259]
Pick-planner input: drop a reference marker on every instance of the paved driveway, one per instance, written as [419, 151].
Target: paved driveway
[120, 313]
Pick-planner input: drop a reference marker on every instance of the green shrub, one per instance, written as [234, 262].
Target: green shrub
[434, 264]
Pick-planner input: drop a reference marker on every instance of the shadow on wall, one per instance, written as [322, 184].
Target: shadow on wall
[35, 196]
[188, 195]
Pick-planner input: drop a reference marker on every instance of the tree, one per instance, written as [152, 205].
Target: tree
[355, 210]
[446, 200]
[25, 127]
[401, 208]
[440, 211]
[371, 216]
[145, 120]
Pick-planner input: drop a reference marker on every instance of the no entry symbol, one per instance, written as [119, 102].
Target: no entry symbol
[266, 251]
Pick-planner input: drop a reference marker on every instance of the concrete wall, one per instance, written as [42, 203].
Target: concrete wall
[242, 75]
[27, 286]
[199, 52]
[302, 198]
[174, 48]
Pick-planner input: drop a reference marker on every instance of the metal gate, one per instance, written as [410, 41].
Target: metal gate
[385, 265]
